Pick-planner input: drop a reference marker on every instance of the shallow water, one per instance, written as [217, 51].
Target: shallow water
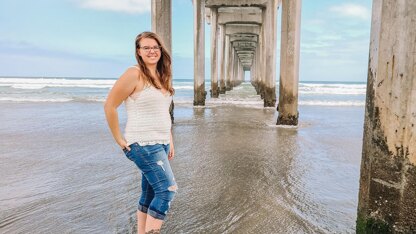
[61, 172]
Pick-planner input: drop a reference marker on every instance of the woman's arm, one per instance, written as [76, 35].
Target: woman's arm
[122, 88]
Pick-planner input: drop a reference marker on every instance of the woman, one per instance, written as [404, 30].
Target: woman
[147, 92]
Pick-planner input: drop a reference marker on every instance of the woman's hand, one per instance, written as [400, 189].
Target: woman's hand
[171, 148]
[123, 144]
[171, 151]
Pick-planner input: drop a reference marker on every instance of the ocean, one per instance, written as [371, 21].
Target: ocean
[237, 172]
[20, 89]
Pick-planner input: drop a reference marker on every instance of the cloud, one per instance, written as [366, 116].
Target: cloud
[352, 11]
[125, 6]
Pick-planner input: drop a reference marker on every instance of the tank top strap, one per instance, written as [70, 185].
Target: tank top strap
[135, 67]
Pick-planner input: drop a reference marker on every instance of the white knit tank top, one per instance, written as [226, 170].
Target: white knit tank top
[148, 118]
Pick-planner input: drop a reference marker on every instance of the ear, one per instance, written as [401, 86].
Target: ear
[138, 52]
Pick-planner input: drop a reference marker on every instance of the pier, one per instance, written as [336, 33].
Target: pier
[243, 38]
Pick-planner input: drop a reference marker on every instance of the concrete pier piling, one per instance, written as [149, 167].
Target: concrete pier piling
[229, 57]
[162, 25]
[235, 70]
[387, 194]
[199, 52]
[162, 21]
[270, 23]
[289, 63]
[222, 55]
[214, 54]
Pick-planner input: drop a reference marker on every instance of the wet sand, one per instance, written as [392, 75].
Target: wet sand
[61, 172]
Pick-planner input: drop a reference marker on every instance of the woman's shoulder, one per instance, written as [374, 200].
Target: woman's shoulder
[132, 72]
[133, 69]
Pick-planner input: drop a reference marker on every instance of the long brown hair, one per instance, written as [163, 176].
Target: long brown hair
[164, 65]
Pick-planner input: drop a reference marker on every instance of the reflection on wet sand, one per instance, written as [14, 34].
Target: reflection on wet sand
[236, 172]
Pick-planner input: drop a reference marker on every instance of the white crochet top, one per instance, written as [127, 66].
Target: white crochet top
[148, 118]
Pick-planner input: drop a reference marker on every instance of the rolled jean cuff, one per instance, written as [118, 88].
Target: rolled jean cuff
[156, 214]
[142, 208]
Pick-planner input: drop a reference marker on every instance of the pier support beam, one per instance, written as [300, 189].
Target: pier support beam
[162, 25]
[387, 194]
[235, 69]
[230, 61]
[270, 23]
[214, 54]
[162, 21]
[199, 52]
[263, 48]
[255, 70]
[261, 61]
[222, 56]
[289, 63]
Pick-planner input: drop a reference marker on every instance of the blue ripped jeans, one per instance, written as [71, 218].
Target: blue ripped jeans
[158, 183]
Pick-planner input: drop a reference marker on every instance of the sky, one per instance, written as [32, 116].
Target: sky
[95, 38]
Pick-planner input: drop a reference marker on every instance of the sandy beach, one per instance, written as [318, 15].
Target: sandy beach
[61, 172]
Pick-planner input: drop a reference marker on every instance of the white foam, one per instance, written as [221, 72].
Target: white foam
[336, 89]
[188, 87]
[235, 102]
[96, 99]
[182, 101]
[282, 126]
[31, 86]
[332, 103]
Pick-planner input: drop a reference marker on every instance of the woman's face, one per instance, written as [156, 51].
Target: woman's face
[149, 51]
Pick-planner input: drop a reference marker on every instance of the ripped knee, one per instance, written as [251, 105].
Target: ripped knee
[173, 188]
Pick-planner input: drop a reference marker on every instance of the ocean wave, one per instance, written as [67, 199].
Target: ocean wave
[22, 99]
[208, 102]
[336, 89]
[40, 83]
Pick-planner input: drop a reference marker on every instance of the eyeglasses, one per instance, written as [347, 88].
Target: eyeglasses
[148, 48]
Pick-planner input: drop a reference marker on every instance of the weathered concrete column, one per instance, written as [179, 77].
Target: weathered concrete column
[227, 61]
[199, 52]
[270, 53]
[289, 63]
[387, 194]
[253, 71]
[263, 48]
[214, 54]
[235, 69]
[230, 62]
[222, 56]
[162, 21]
[241, 79]
[162, 25]
[238, 77]
[259, 66]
